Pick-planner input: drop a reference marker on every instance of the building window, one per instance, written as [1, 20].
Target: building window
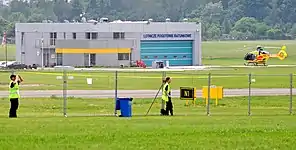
[175, 56]
[74, 35]
[53, 37]
[116, 35]
[94, 35]
[123, 56]
[155, 57]
[87, 35]
[122, 35]
[59, 59]
[146, 57]
[64, 35]
[92, 59]
[165, 56]
[184, 56]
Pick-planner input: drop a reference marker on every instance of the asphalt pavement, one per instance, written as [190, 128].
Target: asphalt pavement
[144, 93]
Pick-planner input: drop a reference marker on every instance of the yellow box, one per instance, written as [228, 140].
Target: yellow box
[216, 92]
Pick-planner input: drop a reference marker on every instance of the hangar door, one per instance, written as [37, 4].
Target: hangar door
[178, 53]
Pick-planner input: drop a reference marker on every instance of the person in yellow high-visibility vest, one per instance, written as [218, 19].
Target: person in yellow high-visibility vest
[14, 94]
[166, 96]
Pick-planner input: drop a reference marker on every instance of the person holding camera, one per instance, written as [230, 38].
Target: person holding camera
[14, 94]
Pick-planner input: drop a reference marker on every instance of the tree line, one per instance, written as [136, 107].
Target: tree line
[221, 19]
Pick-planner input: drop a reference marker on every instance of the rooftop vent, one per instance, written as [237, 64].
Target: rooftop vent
[102, 20]
[83, 19]
[117, 21]
[92, 21]
[167, 20]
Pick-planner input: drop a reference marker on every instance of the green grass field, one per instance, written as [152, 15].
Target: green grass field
[214, 53]
[232, 52]
[228, 78]
[41, 126]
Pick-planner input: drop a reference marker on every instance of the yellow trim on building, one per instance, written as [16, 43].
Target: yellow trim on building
[93, 50]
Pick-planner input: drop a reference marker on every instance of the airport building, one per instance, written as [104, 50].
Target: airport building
[108, 43]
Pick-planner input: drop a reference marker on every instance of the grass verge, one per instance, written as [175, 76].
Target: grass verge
[41, 126]
[226, 77]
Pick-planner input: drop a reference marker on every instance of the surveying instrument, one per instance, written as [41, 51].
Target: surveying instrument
[162, 110]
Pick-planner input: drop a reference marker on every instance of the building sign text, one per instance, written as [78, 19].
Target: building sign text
[167, 36]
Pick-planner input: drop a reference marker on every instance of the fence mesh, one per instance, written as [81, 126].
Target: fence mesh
[93, 93]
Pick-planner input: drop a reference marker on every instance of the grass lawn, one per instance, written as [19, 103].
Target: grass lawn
[227, 77]
[232, 52]
[214, 53]
[41, 125]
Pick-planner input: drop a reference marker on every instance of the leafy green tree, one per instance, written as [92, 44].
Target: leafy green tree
[274, 33]
[17, 17]
[77, 9]
[261, 30]
[92, 11]
[226, 26]
[62, 10]
[293, 30]
[213, 13]
[35, 18]
[246, 24]
[237, 19]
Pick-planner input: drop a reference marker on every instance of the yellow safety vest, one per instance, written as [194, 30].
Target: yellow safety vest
[165, 94]
[14, 92]
[254, 52]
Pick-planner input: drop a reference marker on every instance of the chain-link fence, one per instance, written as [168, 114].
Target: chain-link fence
[93, 93]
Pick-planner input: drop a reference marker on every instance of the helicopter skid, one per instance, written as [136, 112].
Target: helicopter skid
[255, 63]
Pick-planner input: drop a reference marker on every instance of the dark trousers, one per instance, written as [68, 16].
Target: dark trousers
[14, 104]
[169, 107]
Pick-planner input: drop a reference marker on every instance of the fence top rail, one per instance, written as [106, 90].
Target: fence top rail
[173, 71]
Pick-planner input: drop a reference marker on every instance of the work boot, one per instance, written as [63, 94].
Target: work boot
[162, 112]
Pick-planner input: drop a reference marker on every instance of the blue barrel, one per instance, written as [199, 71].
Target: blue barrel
[125, 105]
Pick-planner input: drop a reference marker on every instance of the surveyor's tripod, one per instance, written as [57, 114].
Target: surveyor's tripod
[162, 111]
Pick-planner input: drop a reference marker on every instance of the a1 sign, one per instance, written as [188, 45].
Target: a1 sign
[187, 93]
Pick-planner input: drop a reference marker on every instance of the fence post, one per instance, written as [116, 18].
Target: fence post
[291, 94]
[116, 91]
[249, 95]
[209, 94]
[65, 92]
[163, 77]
